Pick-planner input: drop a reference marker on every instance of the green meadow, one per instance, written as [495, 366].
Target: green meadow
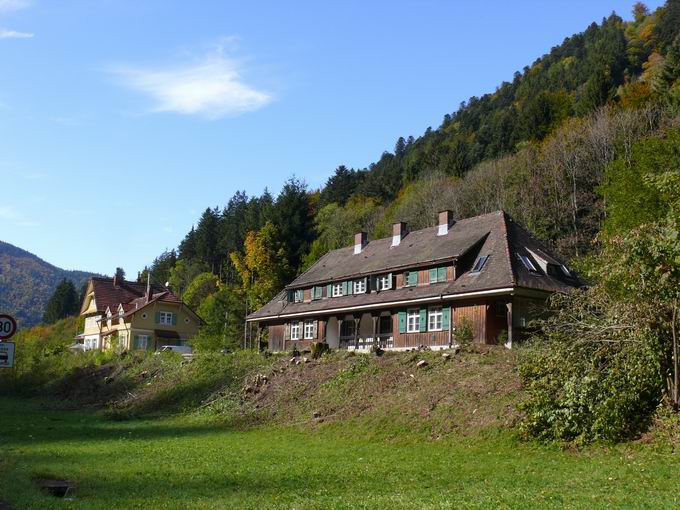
[190, 462]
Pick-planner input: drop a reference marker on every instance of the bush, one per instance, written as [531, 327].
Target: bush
[464, 335]
[590, 378]
[318, 348]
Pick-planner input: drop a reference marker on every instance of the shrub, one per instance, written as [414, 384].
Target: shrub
[464, 335]
[590, 377]
[318, 348]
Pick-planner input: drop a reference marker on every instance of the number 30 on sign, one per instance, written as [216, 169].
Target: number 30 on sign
[8, 326]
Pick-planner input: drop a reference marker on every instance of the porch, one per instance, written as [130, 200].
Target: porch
[360, 332]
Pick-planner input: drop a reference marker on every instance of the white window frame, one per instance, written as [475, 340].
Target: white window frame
[360, 286]
[384, 282]
[336, 289]
[295, 330]
[309, 329]
[298, 297]
[146, 343]
[528, 263]
[165, 318]
[413, 320]
[435, 318]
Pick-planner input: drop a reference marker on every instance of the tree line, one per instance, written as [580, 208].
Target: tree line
[538, 147]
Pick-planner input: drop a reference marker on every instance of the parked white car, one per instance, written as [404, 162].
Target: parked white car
[181, 349]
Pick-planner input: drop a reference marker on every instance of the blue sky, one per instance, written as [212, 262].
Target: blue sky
[120, 121]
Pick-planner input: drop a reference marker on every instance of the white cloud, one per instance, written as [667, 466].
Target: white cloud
[13, 5]
[13, 34]
[211, 87]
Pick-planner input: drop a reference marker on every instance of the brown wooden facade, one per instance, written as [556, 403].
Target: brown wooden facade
[490, 319]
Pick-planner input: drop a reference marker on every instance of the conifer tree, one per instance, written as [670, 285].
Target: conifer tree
[63, 303]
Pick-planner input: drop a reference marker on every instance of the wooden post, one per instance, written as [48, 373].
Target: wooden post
[357, 322]
[376, 340]
[508, 305]
[340, 321]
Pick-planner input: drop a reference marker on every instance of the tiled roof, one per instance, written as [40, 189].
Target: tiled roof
[495, 234]
[130, 294]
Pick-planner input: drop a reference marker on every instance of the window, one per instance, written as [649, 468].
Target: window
[143, 342]
[309, 329]
[479, 265]
[385, 325]
[384, 282]
[299, 296]
[337, 289]
[347, 329]
[434, 319]
[528, 263]
[360, 286]
[317, 293]
[165, 318]
[411, 278]
[295, 330]
[413, 321]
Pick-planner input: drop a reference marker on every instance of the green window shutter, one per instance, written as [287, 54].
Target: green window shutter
[329, 290]
[441, 274]
[390, 278]
[136, 342]
[350, 287]
[433, 275]
[158, 317]
[366, 289]
[374, 283]
[412, 278]
[174, 319]
[402, 322]
[446, 318]
[319, 292]
[423, 319]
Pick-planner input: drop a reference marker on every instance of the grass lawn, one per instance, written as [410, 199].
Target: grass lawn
[186, 463]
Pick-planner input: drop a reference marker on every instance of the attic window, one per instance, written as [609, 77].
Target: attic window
[479, 265]
[528, 263]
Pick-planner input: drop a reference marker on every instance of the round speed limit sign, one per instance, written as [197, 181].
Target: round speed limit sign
[8, 326]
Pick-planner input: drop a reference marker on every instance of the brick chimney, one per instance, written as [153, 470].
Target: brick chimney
[360, 240]
[398, 233]
[115, 279]
[445, 222]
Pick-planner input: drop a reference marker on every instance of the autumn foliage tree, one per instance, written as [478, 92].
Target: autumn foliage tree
[262, 267]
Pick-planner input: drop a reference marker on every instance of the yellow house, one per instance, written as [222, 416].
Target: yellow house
[130, 315]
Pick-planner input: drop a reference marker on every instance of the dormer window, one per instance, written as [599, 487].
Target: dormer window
[337, 289]
[528, 263]
[360, 286]
[383, 282]
[299, 296]
[479, 265]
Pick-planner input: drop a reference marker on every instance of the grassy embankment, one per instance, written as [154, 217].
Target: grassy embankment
[341, 432]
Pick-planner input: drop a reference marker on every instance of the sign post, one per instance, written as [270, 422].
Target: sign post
[8, 326]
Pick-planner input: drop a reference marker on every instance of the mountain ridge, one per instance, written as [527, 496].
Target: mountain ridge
[27, 282]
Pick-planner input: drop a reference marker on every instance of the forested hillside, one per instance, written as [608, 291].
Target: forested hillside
[27, 282]
[539, 146]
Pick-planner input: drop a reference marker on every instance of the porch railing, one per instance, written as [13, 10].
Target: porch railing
[385, 341]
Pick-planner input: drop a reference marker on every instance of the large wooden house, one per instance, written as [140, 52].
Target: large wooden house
[416, 288]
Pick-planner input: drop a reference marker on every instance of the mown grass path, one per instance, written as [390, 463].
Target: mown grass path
[187, 463]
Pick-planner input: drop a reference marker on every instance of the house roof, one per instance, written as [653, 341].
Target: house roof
[495, 235]
[131, 295]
